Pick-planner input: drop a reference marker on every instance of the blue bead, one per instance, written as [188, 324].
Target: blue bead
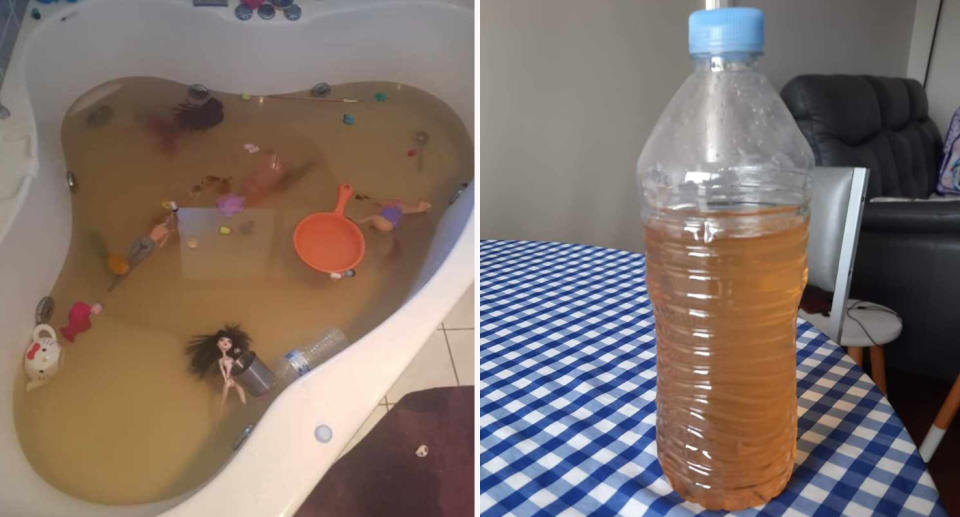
[266, 11]
[293, 12]
[35, 13]
[282, 4]
[348, 119]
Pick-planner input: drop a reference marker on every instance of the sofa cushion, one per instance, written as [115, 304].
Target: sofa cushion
[876, 122]
[893, 99]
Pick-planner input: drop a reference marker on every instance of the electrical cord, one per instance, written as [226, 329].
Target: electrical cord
[868, 306]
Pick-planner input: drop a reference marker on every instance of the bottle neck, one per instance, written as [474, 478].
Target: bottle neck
[729, 62]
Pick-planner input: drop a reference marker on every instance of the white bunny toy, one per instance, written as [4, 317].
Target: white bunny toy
[43, 357]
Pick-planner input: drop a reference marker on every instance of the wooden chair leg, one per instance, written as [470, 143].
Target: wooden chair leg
[940, 424]
[878, 368]
[856, 353]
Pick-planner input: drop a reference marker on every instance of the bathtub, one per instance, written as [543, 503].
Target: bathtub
[74, 47]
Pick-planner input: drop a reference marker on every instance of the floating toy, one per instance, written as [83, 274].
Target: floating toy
[143, 246]
[391, 211]
[230, 205]
[223, 348]
[167, 226]
[328, 241]
[118, 265]
[139, 250]
[79, 319]
[43, 356]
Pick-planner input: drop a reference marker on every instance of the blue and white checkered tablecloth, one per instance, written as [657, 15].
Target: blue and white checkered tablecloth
[567, 410]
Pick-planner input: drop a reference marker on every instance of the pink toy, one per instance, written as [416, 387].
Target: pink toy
[230, 204]
[253, 4]
[79, 319]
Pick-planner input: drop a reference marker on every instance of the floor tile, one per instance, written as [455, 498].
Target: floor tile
[431, 368]
[462, 349]
[461, 315]
[379, 412]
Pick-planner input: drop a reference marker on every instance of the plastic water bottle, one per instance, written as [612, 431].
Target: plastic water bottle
[724, 180]
[297, 362]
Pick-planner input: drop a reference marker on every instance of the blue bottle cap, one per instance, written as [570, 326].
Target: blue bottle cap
[731, 29]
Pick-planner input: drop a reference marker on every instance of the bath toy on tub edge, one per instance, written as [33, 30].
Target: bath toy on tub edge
[79, 319]
[42, 359]
[223, 348]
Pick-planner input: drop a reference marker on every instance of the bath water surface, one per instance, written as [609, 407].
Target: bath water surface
[124, 421]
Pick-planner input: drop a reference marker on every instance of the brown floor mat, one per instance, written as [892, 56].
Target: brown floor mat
[384, 476]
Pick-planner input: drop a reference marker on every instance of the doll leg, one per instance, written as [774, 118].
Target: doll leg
[223, 400]
[379, 222]
[419, 208]
[241, 393]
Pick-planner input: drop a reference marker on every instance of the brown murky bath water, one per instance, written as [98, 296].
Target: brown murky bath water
[124, 421]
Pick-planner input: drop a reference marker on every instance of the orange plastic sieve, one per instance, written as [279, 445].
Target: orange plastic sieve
[328, 241]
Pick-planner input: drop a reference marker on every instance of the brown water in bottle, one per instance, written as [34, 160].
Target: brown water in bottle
[725, 289]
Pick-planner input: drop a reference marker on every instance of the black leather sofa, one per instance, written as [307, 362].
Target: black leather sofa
[908, 257]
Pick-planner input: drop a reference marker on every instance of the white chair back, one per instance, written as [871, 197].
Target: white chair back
[836, 205]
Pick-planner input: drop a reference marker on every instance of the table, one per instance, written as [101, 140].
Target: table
[567, 401]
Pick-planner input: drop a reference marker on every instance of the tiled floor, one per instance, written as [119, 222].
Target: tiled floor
[446, 359]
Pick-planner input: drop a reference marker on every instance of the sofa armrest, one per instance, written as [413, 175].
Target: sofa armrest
[912, 217]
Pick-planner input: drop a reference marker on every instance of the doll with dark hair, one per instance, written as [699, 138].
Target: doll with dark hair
[222, 349]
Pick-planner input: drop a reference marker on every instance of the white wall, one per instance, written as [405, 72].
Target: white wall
[924, 24]
[569, 91]
[943, 82]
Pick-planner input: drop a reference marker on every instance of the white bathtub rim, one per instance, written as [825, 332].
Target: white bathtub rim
[22, 122]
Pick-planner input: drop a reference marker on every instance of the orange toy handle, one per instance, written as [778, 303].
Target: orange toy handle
[344, 193]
